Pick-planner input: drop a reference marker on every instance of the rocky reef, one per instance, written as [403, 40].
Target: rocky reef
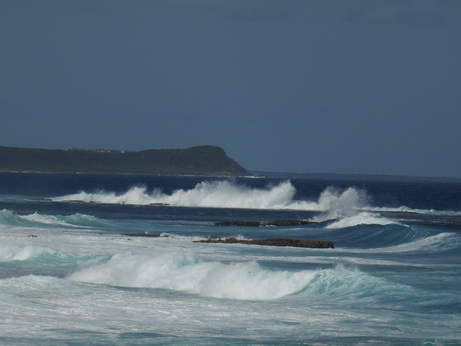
[273, 242]
[277, 223]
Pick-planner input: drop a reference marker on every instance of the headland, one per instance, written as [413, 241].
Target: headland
[199, 160]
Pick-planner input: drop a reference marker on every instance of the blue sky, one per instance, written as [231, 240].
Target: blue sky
[334, 86]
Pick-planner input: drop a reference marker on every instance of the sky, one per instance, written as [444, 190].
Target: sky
[306, 86]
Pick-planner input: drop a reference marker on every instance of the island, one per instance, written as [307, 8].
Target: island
[199, 160]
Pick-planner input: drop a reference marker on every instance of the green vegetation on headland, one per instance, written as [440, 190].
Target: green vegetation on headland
[200, 160]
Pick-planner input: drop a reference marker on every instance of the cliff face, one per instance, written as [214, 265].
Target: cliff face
[201, 160]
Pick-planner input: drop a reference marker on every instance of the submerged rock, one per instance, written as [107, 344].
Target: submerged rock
[267, 242]
[144, 235]
[265, 223]
[287, 223]
[273, 242]
[238, 223]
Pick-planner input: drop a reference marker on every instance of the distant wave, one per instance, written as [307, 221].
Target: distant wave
[333, 203]
[343, 206]
[407, 210]
[227, 194]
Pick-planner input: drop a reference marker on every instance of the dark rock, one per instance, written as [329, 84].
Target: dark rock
[287, 223]
[142, 235]
[268, 223]
[273, 242]
[295, 243]
[238, 223]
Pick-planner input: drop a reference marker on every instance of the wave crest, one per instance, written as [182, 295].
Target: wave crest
[23, 253]
[241, 281]
[80, 221]
[227, 194]
[363, 218]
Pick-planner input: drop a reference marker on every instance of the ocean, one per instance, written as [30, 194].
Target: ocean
[115, 259]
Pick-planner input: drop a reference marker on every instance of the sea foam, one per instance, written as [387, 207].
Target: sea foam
[23, 253]
[363, 218]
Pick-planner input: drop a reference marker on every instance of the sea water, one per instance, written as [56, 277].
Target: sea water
[74, 268]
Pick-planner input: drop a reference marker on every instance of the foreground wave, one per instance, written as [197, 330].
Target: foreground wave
[240, 281]
[244, 281]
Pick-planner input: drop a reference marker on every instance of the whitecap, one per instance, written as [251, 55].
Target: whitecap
[241, 281]
[363, 218]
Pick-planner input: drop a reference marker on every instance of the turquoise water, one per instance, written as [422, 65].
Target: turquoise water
[73, 271]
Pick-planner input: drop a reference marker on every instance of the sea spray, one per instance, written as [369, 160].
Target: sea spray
[228, 194]
[339, 204]
[213, 194]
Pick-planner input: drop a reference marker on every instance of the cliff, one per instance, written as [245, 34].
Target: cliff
[200, 160]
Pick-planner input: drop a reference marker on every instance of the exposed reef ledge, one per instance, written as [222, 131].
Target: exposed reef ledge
[320, 244]
[323, 244]
[268, 223]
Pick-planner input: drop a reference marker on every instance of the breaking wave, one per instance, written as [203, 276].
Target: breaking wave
[7, 217]
[436, 243]
[345, 206]
[362, 218]
[23, 253]
[406, 210]
[242, 281]
[227, 194]
[239, 281]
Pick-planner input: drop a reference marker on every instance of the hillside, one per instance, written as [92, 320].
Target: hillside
[200, 160]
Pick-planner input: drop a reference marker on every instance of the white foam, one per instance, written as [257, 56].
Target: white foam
[228, 194]
[217, 194]
[23, 253]
[363, 218]
[45, 219]
[340, 204]
[242, 281]
[407, 210]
